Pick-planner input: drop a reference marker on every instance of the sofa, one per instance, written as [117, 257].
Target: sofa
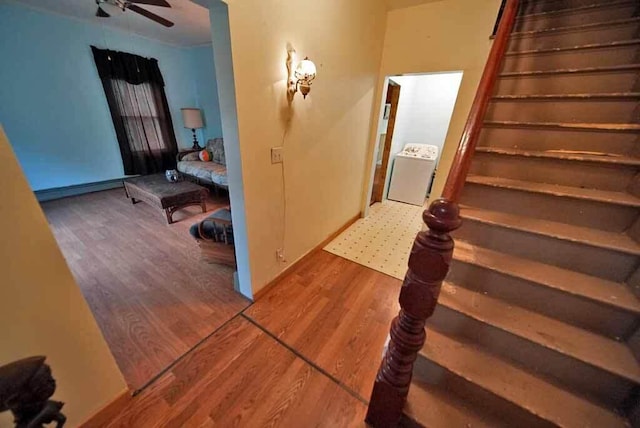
[213, 172]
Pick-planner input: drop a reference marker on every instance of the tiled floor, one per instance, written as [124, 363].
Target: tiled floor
[382, 240]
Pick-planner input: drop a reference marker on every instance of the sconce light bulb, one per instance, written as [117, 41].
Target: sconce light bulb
[306, 70]
[302, 77]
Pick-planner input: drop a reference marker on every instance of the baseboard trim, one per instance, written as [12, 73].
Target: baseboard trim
[308, 254]
[107, 414]
[78, 189]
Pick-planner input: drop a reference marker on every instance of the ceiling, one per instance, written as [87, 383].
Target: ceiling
[400, 4]
[192, 26]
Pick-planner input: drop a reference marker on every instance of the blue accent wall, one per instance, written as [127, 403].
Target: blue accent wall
[52, 104]
[202, 66]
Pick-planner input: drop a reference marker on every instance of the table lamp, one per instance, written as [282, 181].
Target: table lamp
[192, 119]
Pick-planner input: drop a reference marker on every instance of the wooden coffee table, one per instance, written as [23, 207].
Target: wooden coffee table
[170, 197]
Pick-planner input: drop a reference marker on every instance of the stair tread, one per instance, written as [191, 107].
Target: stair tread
[568, 232]
[518, 386]
[565, 155]
[614, 95]
[432, 407]
[616, 43]
[575, 283]
[547, 332]
[605, 196]
[623, 127]
[572, 10]
[575, 27]
[624, 67]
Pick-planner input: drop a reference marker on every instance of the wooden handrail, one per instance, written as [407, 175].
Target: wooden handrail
[431, 255]
[471, 133]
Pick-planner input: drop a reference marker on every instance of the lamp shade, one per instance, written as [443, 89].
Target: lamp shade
[192, 118]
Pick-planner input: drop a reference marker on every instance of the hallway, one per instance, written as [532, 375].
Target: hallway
[306, 354]
[382, 240]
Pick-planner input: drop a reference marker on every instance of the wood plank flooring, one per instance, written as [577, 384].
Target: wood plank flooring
[335, 313]
[242, 377]
[152, 296]
[304, 355]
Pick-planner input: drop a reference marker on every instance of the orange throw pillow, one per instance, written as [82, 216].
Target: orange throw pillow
[204, 156]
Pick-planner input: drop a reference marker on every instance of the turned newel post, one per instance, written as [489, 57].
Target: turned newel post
[428, 266]
[432, 251]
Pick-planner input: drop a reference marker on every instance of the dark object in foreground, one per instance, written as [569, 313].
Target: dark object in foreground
[25, 388]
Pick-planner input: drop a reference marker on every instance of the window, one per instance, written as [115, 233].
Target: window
[135, 93]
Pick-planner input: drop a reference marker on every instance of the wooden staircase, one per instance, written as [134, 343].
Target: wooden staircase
[538, 321]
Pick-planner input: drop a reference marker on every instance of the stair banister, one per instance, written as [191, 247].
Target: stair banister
[431, 254]
[471, 133]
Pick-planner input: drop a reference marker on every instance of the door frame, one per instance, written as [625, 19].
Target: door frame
[392, 98]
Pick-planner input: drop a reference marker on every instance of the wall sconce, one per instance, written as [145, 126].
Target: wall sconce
[302, 77]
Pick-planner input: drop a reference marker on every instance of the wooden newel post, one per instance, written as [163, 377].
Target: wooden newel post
[431, 253]
[428, 266]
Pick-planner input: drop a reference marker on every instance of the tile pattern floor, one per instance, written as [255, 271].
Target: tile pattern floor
[382, 241]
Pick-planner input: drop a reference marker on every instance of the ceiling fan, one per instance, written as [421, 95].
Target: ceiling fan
[132, 5]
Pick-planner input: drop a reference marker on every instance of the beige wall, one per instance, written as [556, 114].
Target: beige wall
[448, 35]
[42, 311]
[327, 134]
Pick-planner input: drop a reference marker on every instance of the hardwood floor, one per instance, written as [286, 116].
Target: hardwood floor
[306, 354]
[143, 279]
[241, 376]
[335, 313]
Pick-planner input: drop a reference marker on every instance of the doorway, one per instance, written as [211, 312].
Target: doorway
[415, 113]
[409, 144]
[153, 290]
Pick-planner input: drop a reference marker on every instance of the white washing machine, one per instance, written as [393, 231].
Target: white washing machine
[412, 173]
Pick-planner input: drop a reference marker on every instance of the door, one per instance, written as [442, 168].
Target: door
[380, 175]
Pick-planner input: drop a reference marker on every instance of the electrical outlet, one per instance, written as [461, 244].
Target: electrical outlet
[277, 154]
[280, 255]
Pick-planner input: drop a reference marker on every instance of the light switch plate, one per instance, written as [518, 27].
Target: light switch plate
[277, 154]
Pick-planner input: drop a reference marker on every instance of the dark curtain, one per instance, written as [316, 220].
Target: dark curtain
[135, 92]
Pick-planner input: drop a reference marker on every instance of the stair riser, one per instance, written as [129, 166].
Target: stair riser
[569, 111]
[551, 5]
[601, 34]
[431, 373]
[634, 343]
[634, 283]
[604, 263]
[592, 382]
[619, 55]
[546, 139]
[579, 212]
[590, 175]
[569, 83]
[634, 418]
[583, 313]
[575, 17]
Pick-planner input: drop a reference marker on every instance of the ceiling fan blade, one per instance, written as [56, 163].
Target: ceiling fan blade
[152, 16]
[100, 13]
[161, 3]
